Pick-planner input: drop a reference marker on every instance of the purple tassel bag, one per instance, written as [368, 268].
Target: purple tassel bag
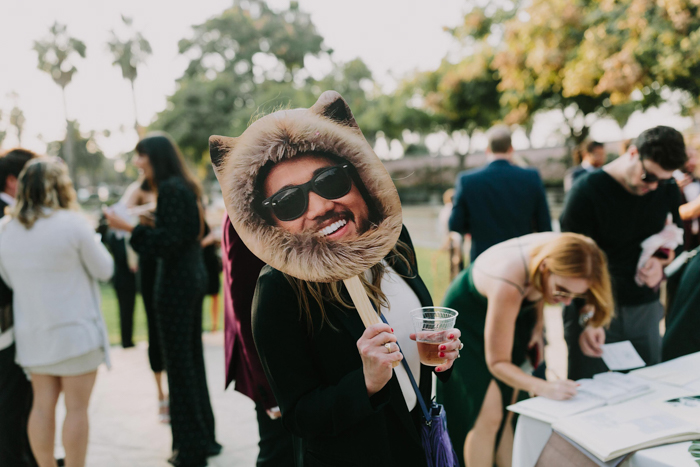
[433, 430]
[436, 441]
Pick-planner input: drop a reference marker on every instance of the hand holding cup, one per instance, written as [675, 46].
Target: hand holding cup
[437, 339]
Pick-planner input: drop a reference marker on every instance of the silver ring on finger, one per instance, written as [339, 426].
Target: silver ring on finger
[388, 347]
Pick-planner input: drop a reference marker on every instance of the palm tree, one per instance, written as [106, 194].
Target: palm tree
[128, 55]
[2, 132]
[17, 120]
[55, 55]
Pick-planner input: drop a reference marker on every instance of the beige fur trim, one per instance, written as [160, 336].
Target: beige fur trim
[283, 135]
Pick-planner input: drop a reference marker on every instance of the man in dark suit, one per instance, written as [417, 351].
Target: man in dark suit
[15, 389]
[499, 201]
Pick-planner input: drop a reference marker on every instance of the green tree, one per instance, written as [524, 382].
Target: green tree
[90, 168]
[128, 55]
[249, 33]
[589, 59]
[56, 54]
[246, 61]
[463, 97]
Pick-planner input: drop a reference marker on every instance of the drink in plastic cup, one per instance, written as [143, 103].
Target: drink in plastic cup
[432, 325]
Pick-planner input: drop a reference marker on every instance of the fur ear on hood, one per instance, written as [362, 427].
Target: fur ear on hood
[327, 127]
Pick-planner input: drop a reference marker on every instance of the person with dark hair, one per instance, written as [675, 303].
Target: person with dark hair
[619, 207]
[179, 292]
[11, 164]
[15, 389]
[241, 269]
[50, 258]
[592, 158]
[499, 201]
[311, 390]
[324, 209]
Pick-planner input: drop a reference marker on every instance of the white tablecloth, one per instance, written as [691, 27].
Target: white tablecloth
[531, 436]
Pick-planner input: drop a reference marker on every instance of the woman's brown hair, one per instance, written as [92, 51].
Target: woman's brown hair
[574, 255]
[43, 184]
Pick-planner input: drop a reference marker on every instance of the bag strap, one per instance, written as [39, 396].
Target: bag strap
[426, 414]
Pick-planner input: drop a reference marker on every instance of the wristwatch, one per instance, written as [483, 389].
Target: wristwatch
[584, 318]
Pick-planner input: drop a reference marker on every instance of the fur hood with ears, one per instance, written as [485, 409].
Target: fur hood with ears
[328, 126]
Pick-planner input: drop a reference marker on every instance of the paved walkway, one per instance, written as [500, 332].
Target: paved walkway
[124, 428]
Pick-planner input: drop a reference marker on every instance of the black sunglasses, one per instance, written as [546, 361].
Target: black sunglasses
[650, 178]
[291, 202]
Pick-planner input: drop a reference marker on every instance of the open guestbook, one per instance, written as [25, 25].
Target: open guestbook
[604, 389]
[613, 431]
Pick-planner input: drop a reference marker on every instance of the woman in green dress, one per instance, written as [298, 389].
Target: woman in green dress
[500, 298]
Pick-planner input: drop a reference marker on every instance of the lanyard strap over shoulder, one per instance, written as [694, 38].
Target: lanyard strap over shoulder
[426, 414]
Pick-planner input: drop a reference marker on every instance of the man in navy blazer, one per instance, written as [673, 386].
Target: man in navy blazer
[500, 200]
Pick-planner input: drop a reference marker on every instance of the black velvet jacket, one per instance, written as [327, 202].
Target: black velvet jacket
[318, 381]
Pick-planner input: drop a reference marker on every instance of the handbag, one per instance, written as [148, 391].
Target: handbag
[433, 428]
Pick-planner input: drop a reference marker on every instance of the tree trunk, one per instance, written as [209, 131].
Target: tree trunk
[137, 127]
[68, 146]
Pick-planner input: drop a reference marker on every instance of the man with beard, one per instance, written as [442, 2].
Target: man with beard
[315, 194]
[309, 197]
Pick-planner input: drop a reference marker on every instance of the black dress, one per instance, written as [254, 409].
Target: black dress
[179, 291]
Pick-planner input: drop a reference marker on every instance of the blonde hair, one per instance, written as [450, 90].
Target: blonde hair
[574, 255]
[43, 184]
[331, 291]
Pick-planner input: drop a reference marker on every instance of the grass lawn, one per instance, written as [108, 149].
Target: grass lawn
[433, 266]
[110, 310]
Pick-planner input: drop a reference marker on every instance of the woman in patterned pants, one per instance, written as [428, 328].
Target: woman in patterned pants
[179, 291]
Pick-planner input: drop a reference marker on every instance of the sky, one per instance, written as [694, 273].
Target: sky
[393, 37]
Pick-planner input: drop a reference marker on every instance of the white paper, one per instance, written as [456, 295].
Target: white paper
[600, 389]
[554, 410]
[628, 382]
[622, 356]
[682, 371]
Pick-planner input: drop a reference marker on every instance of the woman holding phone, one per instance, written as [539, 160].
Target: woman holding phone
[500, 300]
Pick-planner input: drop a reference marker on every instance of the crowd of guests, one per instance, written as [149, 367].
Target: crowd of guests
[324, 389]
[610, 294]
[53, 331]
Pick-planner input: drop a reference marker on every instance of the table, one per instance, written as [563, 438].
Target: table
[531, 436]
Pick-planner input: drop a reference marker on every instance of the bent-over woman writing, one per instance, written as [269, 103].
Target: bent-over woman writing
[500, 299]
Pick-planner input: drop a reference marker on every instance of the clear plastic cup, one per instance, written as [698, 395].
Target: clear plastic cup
[432, 325]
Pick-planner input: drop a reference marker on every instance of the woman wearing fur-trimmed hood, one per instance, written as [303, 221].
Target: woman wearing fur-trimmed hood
[309, 197]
